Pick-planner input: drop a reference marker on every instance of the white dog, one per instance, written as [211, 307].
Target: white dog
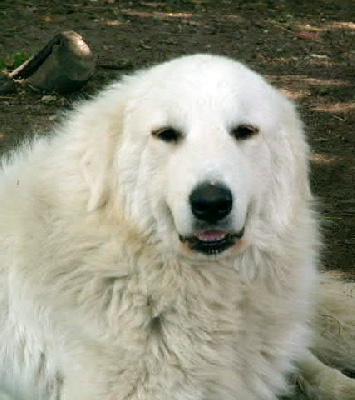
[161, 245]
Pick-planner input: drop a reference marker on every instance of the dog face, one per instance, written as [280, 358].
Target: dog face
[206, 152]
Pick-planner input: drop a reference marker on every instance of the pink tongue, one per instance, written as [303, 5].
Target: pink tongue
[211, 236]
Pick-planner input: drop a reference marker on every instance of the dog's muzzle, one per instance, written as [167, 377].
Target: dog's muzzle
[211, 202]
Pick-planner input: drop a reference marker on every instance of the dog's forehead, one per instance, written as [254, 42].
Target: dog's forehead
[202, 91]
[195, 84]
[205, 76]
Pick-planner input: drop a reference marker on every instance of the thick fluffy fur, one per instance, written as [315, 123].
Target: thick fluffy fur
[101, 298]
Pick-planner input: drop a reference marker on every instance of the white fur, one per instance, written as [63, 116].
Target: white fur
[101, 300]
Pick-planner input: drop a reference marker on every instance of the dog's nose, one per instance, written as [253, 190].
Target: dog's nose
[211, 201]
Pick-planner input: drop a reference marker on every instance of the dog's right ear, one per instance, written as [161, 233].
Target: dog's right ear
[99, 134]
[95, 170]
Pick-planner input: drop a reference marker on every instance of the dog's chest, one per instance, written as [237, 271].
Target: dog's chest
[190, 330]
[192, 319]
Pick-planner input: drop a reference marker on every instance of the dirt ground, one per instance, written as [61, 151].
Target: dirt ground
[304, 48]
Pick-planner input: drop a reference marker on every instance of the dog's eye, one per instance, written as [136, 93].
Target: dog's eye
[167, 134]
[242, 132]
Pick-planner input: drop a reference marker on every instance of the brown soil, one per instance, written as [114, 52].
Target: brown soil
[304, 48]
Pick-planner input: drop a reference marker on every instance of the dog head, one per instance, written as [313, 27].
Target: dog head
[209, 156]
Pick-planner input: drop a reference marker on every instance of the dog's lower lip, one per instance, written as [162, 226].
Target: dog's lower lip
[212, 242]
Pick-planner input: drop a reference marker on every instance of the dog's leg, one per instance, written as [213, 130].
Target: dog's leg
[334, 325]
[330, 383]
[333, 348]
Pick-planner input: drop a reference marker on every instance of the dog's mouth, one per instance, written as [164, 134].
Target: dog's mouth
[212, 241]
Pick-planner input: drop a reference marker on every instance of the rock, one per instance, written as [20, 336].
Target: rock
[64, 65]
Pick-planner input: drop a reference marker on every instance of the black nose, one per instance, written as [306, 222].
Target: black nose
[211, 201]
